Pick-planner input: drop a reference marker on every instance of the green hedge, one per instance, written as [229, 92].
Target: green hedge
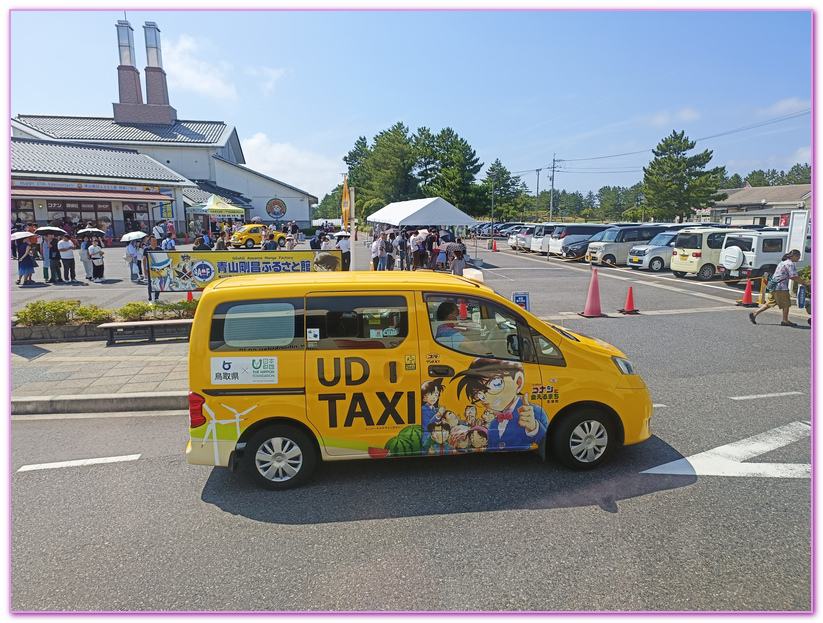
[62, 311]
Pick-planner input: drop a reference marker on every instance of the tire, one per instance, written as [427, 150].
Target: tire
[279, 457]
[249, 244]
[678, 274]
[656, 265]
[635, 268]
[583, 439]
[706, 272]
[609, 261]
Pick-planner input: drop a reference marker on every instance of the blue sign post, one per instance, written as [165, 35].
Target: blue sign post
[522, 299]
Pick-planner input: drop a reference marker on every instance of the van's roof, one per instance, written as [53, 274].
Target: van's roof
[340, 280]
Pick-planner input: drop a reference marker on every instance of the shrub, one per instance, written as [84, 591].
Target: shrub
[134, 311]
[180, 309]
[60, 311]
[93, 313]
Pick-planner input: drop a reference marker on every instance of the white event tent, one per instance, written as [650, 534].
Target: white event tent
[431, 211]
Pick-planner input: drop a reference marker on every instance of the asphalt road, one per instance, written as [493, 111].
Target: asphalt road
[488, 532]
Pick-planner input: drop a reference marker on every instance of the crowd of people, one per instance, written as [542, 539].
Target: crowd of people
[417, 249]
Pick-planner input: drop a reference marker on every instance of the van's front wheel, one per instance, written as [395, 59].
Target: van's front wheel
[280, 457]
[583, 439]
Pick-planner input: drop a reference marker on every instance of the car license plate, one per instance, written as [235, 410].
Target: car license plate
[734, 273]
[636, 260]
[588, 258]
[684, 257]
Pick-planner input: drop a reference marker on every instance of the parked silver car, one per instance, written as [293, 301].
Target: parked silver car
[654, 256]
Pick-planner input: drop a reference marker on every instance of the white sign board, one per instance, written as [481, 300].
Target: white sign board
[243, 370]
[799, 222]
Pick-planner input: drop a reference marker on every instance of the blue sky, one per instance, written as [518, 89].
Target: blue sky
[519, 86]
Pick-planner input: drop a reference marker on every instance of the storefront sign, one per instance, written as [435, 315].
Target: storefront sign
[83, 186]
[187, 271]
[276, 208]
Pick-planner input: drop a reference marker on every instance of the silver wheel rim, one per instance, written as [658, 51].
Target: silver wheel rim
[278, 459]
[656, 264]
[588, 441]
[706, 273]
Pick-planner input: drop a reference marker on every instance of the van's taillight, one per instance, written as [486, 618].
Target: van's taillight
[196, 417]
[697, 254]
[673, 253]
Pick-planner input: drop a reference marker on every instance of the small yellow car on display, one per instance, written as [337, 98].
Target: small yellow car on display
[251, 236]
[289, 369]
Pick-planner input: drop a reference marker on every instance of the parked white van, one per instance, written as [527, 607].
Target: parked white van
[756, 254]
[614, 248]
[564, 235]
[542, 232]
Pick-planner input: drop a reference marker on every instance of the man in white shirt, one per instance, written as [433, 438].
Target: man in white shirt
[159, 231]
[345, 246]
[374, 249]
[66, 248]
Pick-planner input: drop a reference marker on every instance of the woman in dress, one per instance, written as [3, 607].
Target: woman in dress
[25, 262]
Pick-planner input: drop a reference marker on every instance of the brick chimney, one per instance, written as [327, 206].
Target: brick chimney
[131, 108]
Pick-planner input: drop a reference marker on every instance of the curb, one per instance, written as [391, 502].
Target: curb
[100, 403]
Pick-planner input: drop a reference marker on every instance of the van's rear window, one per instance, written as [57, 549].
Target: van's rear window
[689, 241]
[274, 324]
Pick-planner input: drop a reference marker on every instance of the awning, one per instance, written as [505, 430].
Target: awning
[60, 193]
[216, 207]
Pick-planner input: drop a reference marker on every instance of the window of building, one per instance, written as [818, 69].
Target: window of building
[275, 324]
[22, 211]
[356, 322]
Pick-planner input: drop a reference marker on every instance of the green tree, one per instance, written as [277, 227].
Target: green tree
[735, 181]
[331, 205]
[454, 178]
[799, 174]
[506, 190]
[675, 183]
[757, 178]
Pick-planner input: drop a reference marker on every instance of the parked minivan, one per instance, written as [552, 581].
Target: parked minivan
[755, 255]
[614, 248]
[567, 234]
[697, 251]
[289, 369]
[542, 232]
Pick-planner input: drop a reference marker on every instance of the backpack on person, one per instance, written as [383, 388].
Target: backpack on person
[168, 244]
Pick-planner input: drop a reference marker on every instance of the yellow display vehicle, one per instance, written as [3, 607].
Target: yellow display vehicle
[289, 369]
[250, 236]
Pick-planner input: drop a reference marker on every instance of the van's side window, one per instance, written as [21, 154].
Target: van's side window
[715, 241]
[273, 324]
[547, 351]
[476, 327]
[356, 322]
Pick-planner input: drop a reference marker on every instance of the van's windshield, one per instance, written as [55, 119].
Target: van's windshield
[598, 236]
[662, 240]
[609, 235]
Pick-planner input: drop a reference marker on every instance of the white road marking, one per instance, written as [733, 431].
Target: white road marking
[657, 405]
[765, 396]
[728, 460]
[81, 462]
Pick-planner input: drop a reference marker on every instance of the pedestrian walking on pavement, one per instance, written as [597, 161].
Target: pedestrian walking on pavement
[54, 260]
[458, 263]
[95, 250]
[344, 245]
[785, 272]
[152, 246]
[220, 245]
[133, 258]
[66, 248]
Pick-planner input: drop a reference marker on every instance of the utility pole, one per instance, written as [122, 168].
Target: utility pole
[551, 195]
[537, 203]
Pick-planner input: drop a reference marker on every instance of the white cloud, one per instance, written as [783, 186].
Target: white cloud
[305, 170]
[776, 161]
[687, 114]
[664, 117]
[784, 107]
[186, 69]
[269, 76]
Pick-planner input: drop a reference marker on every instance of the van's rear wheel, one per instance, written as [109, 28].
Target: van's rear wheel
[706, 272]
[583, 439]
[678, 274]
[279, 457]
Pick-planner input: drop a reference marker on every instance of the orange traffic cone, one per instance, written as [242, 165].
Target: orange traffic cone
[463, 313]
[593, 299]
[189, 296]
[187, 238]
[494, 247]
[746, 301]
[629, 304]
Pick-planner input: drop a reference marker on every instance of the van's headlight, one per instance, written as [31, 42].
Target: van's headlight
[624, 365]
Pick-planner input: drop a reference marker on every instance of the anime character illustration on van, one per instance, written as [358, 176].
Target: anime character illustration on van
[289, 369]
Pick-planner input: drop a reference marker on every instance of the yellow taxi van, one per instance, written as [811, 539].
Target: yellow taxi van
[288, 370]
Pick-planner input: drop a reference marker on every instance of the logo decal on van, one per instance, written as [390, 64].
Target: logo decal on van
[243, 370]
[411, 362]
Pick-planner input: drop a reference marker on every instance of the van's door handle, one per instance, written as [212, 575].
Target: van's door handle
[392, 372]
[440, 371]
